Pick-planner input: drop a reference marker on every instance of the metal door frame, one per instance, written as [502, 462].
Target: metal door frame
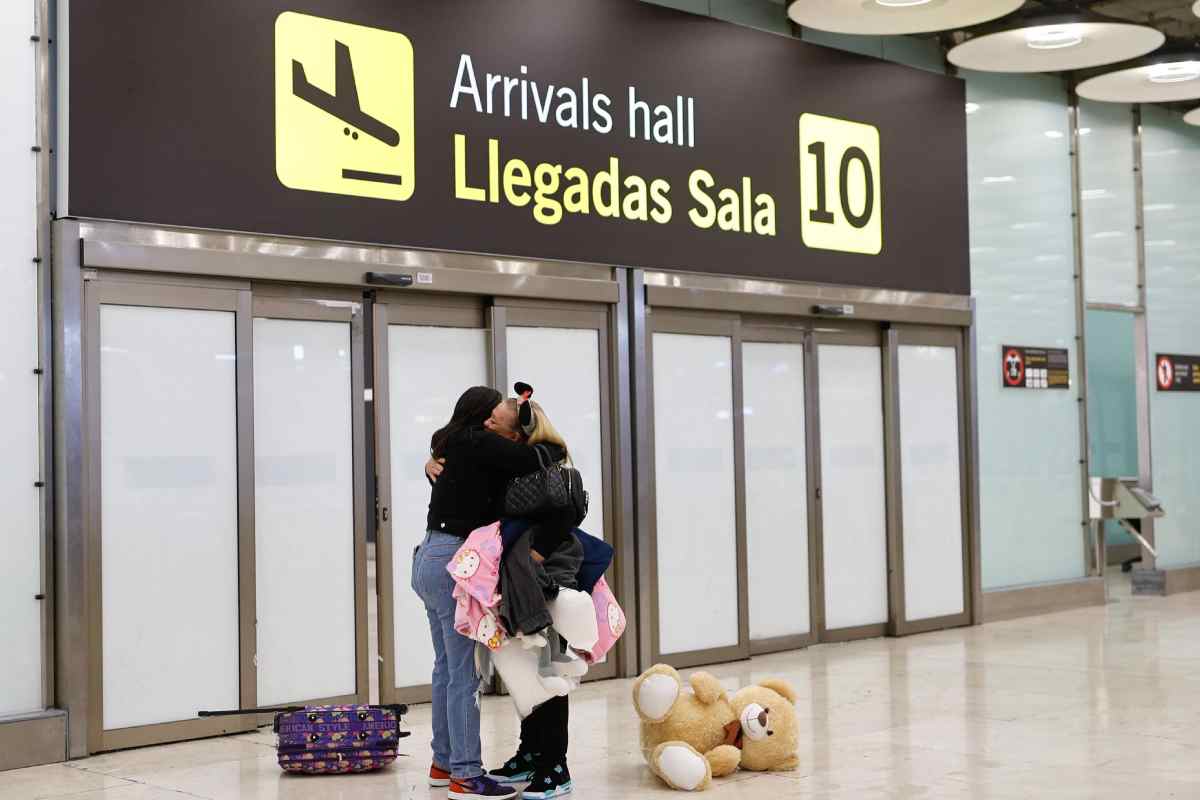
[175, 295]
[394, 308]
[328, 305]
[702, 324]
[793, 331]
[897, 336]
[835, 333]
[508, 312]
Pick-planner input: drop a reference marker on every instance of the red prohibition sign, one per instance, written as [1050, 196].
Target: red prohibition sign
[1166, 373]
[1014, 368]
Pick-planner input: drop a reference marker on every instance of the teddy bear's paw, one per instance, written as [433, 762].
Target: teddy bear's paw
[656, 696]
[723, 760]
[682, 767]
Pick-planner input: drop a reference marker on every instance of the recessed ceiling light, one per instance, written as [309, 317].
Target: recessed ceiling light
[1054, 134]
[999, 179]
[973, 107]
[1175, 72]
[1163, 78]
[1192, 117]
[1084, 131]
[1054, 43]
[1054, 37]
[889, 17]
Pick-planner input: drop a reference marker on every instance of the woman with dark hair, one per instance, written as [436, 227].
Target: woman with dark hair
[468, 495]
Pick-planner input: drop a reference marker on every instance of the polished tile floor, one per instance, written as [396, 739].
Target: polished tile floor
[1096, 703]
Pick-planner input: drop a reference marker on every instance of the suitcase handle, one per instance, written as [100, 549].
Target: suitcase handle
[240, 711]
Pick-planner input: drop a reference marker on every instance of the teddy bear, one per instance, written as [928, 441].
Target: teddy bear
[689, 738]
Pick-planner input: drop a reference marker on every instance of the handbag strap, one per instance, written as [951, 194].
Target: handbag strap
[543, 457]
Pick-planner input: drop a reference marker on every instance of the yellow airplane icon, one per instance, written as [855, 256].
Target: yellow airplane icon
[318, 146]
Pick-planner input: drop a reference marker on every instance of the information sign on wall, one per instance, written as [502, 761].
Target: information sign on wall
[1035, 367]
[1177, 373]
[605, 131]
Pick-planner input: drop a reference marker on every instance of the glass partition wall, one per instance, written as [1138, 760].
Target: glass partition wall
[227, 455]
[799, 474]
[808, 483]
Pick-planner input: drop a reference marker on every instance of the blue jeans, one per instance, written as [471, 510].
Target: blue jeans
[456, 744]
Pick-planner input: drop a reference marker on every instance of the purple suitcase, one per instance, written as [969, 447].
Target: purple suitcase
[332, 740]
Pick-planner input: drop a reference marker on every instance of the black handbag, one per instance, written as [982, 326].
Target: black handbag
[551, 488]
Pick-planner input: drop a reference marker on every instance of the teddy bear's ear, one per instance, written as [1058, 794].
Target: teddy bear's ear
[707, 688]
[780, 687]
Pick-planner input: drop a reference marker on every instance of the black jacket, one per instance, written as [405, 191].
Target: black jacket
[470, 491]
[525, 586]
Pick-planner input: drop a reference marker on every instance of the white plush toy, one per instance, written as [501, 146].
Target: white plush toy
[574, 617]
[517, 659]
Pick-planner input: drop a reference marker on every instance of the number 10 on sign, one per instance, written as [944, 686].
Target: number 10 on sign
[840, 189]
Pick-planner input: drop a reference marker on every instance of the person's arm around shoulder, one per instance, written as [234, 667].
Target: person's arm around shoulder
[505, 457]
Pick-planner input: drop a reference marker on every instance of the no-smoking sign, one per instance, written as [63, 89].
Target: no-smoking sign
[1175, 373]
[1166, 373]
[1014, 367]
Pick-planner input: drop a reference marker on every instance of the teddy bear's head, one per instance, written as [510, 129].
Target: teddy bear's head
[770, 730]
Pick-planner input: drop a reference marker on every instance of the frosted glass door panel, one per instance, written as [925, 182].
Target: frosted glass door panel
[776, 489]
[932, 490]
[169, 517]
[694, 483]
[20, 516]
[303, 510]
[563, 367]
[852, 484]
[428, 368]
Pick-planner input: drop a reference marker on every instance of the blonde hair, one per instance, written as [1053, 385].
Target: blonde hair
[544, 431]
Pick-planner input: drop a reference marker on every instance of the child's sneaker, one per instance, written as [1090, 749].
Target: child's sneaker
[438, 777]
[549, 782]
[481, 788]
[518, 769]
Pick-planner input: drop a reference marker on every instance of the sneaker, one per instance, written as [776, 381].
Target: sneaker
[518, 769]
[549, 782]
[481, 788]
[438, 777]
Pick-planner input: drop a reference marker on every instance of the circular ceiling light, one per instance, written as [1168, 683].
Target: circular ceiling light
[1193, 116]
[1054, 37]
[1055, 43]
[1175, 72]
[1167, 78]
[1196, 8]
[890, 17]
